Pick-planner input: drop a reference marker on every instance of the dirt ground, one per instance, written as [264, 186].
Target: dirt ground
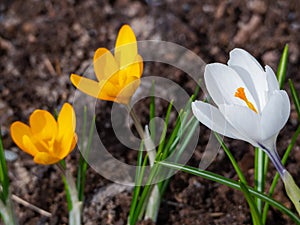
[42, 42]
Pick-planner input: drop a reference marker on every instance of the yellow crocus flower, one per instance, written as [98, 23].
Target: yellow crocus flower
[119, 75]
[46, 139]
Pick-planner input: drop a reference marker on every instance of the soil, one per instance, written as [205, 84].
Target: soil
[43, 42]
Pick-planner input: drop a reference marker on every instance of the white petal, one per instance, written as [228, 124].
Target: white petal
[275, 114]
[222, 82]
[269, 143]
[271, 79]
[241, 58]
[244, 120]
[211, 117]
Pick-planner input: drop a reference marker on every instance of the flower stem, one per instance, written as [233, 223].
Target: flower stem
[259, 166]
[291, 187]
[154, 198]
[136, 121]
[76, 205]
[273, 155]
[7, 212]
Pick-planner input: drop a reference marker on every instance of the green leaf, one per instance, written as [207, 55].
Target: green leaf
[254, 212]
[144, 196]
[81, 159]
[4, 180]
[295, 97]
[259, 175]
[193, 124]
[232, 159]
[276, 178]
[230, 183]
[281, 71]
[138, 180]
[83, 165]
[62, 165]
[164, 132]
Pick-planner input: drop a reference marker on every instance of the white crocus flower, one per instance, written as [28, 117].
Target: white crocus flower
[249, 107]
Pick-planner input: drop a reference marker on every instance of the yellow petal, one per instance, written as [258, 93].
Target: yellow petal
[66, 128]
[114, 79]
[126, 47]
[45, 158]
[66, 120]
[128, 90]
[139, 59]
[134, 70]
[74, 142]
[85, 85]
[104, 64]
[109, 91]
[32, 147]
[62, 148]
[18, 131]
[91, 87]
[43, 125]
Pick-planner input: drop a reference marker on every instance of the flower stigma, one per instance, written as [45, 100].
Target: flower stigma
[240, 93]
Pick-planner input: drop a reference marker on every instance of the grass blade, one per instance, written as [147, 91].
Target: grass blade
[253, 209]
[295, 97]
[163, 135]
[84, 164]
[80, 172]
[281, 71]
[259, 175]
[232, 159]
[276, 178]
[230, 183]
[4, 180]
[138, 179]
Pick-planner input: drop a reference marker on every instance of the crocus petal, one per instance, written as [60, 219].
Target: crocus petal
[211, 117]
[129, 73]
[18, 131]
[275, 114]
[243, 120]
[63, 148]
[104, 64]
[126, 47]
[73, 144]
[241, 58]
[125, 94]
[89, 87]
[271, 79]
[31, 147]
[43, 125]
[139, 59]
[66, 127]
[222, 82]
[66, 120]
[45, 158]
[109, 91]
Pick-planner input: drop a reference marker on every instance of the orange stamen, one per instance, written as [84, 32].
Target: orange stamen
[240, 93]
